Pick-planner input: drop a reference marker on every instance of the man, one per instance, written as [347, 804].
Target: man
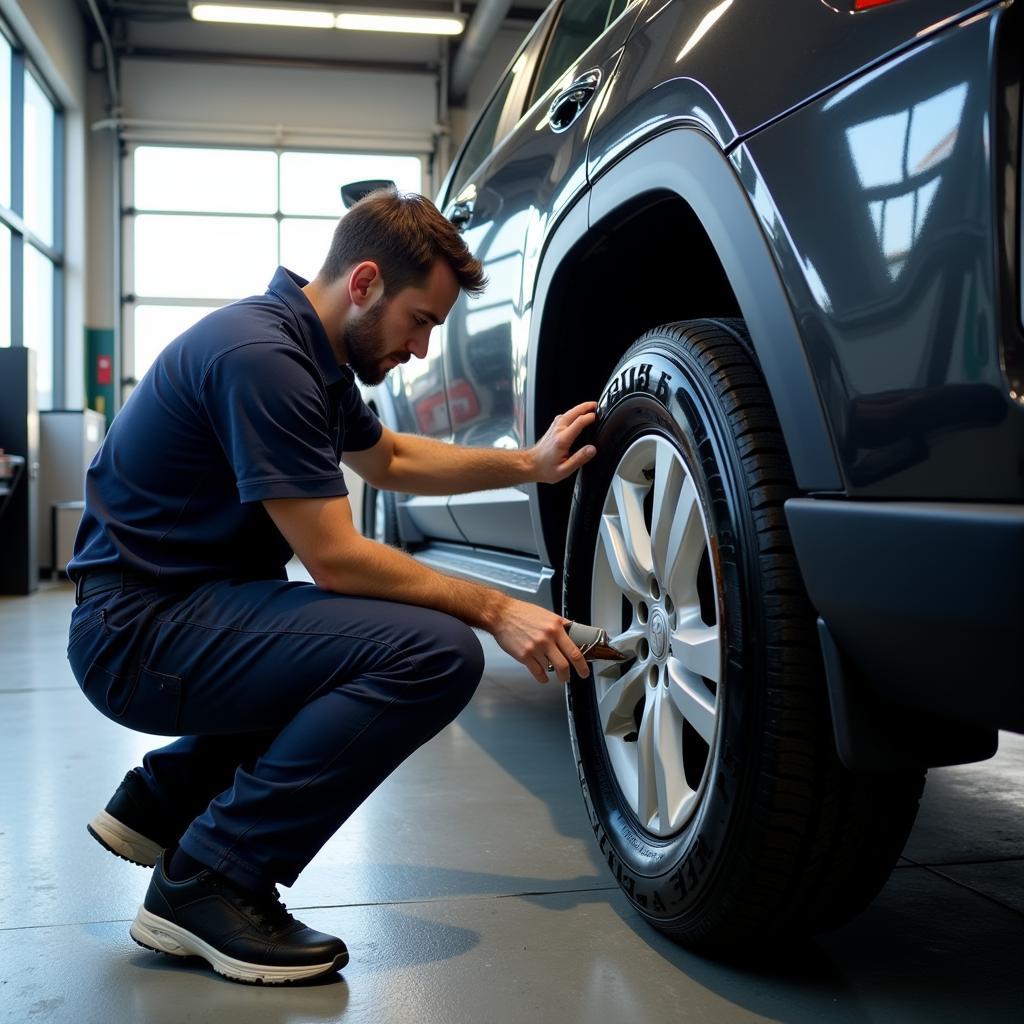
[293, 701]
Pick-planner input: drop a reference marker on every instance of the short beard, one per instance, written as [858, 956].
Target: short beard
[364, 346]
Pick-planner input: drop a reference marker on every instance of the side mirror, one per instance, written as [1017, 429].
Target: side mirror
[356, 190]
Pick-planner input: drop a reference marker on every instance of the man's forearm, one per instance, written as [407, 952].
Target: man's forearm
[370, 569]
[421, 465]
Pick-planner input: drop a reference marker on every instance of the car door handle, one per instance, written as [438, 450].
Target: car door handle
[461, 213]
[569, 104]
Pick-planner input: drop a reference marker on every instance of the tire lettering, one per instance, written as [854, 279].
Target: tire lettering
[633, 379]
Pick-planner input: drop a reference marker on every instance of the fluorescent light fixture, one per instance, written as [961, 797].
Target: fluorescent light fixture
[421, 24]
[364, 20]
[289, 17]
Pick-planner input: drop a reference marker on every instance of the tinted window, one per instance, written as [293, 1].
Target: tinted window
[579, 24]
[484, 135]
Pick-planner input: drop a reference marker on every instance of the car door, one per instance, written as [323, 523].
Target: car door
[505, 208]
[420, 401]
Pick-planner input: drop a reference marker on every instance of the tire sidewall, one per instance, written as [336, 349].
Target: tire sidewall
[659, 388]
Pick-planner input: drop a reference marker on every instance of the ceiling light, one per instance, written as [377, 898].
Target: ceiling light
[422, 24]
[325, 17]
[234, 14]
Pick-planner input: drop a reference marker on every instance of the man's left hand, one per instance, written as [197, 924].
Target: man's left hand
[552, 461]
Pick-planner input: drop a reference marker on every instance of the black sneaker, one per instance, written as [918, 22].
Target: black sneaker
[243, 935]
[131, 825]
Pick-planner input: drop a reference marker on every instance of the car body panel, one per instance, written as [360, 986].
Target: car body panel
[734, 66]
[900, 320]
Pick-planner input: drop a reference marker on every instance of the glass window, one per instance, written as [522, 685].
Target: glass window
[39, 320]
[203, 257]
[483, 137]
[189, 242]
[304, 244]
[5, 286]
[155, 326]
[205, 180]
[5, 122]
[39, 125]
[579, 24]
[311, 182]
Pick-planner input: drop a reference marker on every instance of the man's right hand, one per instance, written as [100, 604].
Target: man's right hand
[537, 638]
[320, 531]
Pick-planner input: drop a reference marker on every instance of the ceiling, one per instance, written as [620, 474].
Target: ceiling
[154, 28]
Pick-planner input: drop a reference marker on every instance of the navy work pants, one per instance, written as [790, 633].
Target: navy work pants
[292, 703]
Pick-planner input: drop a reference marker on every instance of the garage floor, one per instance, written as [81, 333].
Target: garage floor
[468, 888]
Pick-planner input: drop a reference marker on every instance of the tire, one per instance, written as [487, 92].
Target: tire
[707, 761]
[380, 516]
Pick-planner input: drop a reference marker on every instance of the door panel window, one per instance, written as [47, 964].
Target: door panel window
[484, 137]
[579, 24]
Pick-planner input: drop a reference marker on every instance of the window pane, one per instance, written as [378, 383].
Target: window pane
[204, 257]
[5, 286]
[304, 244]
[5, 122]
[481, 141]
[156, 326]
[38, 160]
[579, 24]
[39, 320]
[205, 180]
[311, 182]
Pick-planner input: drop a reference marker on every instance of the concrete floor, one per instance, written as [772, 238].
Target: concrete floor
[468, 887]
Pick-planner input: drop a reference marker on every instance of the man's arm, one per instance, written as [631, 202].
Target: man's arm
[420, 465]
[320, 531]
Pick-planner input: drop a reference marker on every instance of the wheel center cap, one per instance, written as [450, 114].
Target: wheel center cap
[659, 634]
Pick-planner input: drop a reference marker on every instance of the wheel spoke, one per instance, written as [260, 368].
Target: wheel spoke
[646, 756]
[670, 777]
[669, 477]
[697, 646]
[684, 545]
[692, 699]
[629, 499]
[615, 705]
[628, 575]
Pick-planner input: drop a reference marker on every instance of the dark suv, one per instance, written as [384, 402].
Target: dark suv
[781, 242]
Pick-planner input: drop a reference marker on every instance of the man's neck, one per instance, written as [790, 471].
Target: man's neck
[330, 305]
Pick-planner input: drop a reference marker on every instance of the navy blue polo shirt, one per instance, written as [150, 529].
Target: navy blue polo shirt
[248, 404]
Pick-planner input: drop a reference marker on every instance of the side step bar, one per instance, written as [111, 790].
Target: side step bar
[516, 575]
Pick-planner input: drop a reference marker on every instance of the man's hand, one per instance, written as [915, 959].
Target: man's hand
[537, 638]
[551, 453]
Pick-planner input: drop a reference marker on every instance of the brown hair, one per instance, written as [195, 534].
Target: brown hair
[404, 234]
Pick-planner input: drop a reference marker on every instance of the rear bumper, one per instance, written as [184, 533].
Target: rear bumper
[924, 601]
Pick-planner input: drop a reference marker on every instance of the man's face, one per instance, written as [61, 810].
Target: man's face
[395, 329]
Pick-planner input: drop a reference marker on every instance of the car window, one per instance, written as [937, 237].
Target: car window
[580, 22]
[484, 136]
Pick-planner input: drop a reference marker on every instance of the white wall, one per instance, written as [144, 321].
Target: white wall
[210, 102]
[54, 37]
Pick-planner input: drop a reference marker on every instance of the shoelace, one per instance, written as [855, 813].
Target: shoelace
[269, 911]
[266, 908]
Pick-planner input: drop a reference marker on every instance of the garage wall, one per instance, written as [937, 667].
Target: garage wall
[54, 36]
[213, 103]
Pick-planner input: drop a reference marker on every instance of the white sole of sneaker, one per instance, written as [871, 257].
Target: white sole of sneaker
[163, 936]
[124, 841]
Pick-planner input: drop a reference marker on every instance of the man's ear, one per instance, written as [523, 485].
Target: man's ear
[365, 284]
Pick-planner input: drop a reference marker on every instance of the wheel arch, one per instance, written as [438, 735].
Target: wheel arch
[673, 206]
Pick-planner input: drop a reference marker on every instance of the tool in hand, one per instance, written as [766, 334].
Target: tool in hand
[593, 642]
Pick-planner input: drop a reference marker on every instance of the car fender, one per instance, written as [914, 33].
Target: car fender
[689, 164]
